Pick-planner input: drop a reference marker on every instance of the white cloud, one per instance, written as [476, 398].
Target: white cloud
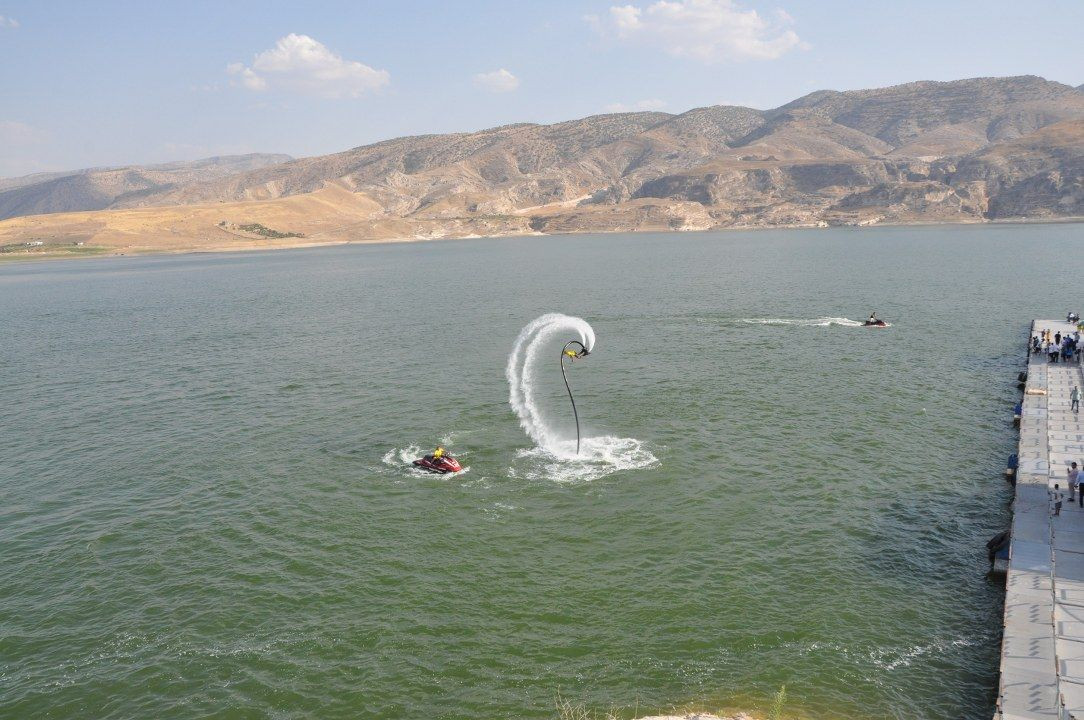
[8, 22]
[298, 63]
[499, 81]
[706, 30]
[247, 76]
[653, 104]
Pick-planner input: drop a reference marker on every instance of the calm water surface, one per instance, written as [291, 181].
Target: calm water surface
[204, 513]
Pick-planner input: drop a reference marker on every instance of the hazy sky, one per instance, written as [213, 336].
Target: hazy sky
[108, 83]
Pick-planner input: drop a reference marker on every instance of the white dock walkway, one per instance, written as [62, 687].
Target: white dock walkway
[1042, 651]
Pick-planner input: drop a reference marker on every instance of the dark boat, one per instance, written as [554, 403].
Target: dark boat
[875, 323]
[443, 464]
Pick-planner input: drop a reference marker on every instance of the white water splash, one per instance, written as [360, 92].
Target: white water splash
[598, 456]
[806, 322]
[402, 456]
[520, 370]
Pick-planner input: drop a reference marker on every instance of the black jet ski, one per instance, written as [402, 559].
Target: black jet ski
[875, 323]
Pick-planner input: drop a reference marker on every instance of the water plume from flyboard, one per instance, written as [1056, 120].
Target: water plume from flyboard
[522, 366]
[597, 456]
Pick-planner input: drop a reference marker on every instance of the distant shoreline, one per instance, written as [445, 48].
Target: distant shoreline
[13, 258]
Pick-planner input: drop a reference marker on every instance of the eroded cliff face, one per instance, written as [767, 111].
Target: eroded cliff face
[963, 151]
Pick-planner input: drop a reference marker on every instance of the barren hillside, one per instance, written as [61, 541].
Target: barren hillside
[99, 188]
[962, 151]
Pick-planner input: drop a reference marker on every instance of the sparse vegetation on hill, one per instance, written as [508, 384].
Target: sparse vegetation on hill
[258, 229]
[38, 249]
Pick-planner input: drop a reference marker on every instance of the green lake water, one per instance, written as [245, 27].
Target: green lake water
[205, 509]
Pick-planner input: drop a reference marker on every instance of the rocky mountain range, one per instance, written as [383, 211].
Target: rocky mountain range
[962, 151]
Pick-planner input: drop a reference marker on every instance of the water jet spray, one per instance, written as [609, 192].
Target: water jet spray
[595, 456]
[521, 370]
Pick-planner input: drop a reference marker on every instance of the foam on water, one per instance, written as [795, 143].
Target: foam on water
[402, 456]
[599, 456]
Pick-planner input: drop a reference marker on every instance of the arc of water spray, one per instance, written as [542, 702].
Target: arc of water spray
[520, 372]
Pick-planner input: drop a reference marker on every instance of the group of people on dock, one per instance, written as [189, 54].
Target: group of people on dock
[1067, 348]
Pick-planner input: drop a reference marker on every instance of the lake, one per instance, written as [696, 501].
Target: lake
[208, 508]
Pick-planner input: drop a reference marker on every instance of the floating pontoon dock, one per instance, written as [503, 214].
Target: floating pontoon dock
[1042, 651]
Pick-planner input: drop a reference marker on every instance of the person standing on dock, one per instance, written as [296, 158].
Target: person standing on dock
[1074, 480]
[1052, 352]
[1057, 338]
[1074, 402]
[1057, 495]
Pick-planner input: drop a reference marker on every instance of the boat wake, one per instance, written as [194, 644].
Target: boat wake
[554, 455]
[805, 322]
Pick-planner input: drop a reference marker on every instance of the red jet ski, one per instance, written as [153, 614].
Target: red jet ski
[442, 464]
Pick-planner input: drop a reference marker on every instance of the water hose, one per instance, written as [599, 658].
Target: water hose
[572, 355]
